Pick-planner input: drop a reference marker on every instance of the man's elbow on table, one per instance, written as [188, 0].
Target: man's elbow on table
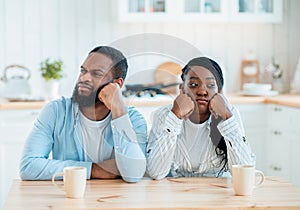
[23, 171]
[26, 174]
[28, 170]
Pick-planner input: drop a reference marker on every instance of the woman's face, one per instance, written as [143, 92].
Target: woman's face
[200, 84]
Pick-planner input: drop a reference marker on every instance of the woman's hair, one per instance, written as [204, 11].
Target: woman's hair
[216, 137]
[210, 65]
[219, 141]
[120, 66]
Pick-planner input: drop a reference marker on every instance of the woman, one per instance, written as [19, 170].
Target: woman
[201, 134]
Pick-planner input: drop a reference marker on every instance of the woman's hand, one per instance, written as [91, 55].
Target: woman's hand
[183, 106]
[218, 106]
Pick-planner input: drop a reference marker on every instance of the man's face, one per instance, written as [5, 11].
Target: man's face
[95, 73]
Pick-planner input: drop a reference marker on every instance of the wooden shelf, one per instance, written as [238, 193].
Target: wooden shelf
[253, 75]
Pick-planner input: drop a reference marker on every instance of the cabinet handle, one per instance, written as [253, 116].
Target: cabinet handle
[277, 133]
[34, 113]
[277, 109]
[275, 168]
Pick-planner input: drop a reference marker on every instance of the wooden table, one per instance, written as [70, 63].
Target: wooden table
[180, 193]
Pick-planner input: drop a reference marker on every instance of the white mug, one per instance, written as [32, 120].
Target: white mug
[243, 179]
[74, 181]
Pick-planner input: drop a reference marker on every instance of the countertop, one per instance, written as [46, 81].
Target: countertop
[291, 100]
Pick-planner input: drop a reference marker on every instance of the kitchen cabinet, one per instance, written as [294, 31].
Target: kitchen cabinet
[278, 152]
[15, 125]
[295, 169]
[255, 121]
[282, 145]
[295, 145]
[145, 10]
[200, 10]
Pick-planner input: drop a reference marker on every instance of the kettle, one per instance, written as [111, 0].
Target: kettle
[15, 78]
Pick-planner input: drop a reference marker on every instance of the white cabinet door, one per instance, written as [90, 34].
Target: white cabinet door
[254, 120]
[146, 10]
[278, 149]
[295, 169]
[295, 145]
[264, 11]
[278, 144]
[203, 10]
[15, 125]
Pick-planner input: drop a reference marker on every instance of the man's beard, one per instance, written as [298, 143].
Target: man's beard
[86, 101]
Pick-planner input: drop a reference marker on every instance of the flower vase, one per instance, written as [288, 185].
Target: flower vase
[278, 85]
[51, 89]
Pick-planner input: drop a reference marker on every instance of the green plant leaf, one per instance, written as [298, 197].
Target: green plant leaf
[51, 70]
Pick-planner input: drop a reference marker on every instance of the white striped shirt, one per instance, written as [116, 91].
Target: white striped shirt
[172, 148]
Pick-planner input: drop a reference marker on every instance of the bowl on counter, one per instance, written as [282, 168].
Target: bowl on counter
[258, 89]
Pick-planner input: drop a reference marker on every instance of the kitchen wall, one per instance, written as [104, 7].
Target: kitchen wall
[32, 30]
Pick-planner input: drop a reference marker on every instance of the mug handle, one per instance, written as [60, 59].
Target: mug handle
[262, 177]
[53, 180]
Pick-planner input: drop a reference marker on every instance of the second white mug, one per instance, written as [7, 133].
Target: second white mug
[243, 179]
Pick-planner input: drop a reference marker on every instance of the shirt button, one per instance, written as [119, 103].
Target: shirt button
[113, 126]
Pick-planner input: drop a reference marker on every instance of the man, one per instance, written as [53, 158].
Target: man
[94, 128]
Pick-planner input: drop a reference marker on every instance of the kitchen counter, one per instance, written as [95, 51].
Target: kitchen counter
[6, 105]
[291, 100]
[158, 100]
[238, 99]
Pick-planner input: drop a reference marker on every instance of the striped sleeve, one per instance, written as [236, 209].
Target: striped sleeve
[162, 142]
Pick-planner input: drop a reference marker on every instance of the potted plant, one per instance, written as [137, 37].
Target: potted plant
[52, 73]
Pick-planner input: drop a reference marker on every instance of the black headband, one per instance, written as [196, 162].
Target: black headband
[210, 65]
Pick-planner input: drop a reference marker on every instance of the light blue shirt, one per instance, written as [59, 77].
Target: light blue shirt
[57, 129]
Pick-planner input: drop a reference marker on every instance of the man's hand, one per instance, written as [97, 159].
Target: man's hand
[111, 96]
[183, 106]
[105, 170]
[218, 106]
